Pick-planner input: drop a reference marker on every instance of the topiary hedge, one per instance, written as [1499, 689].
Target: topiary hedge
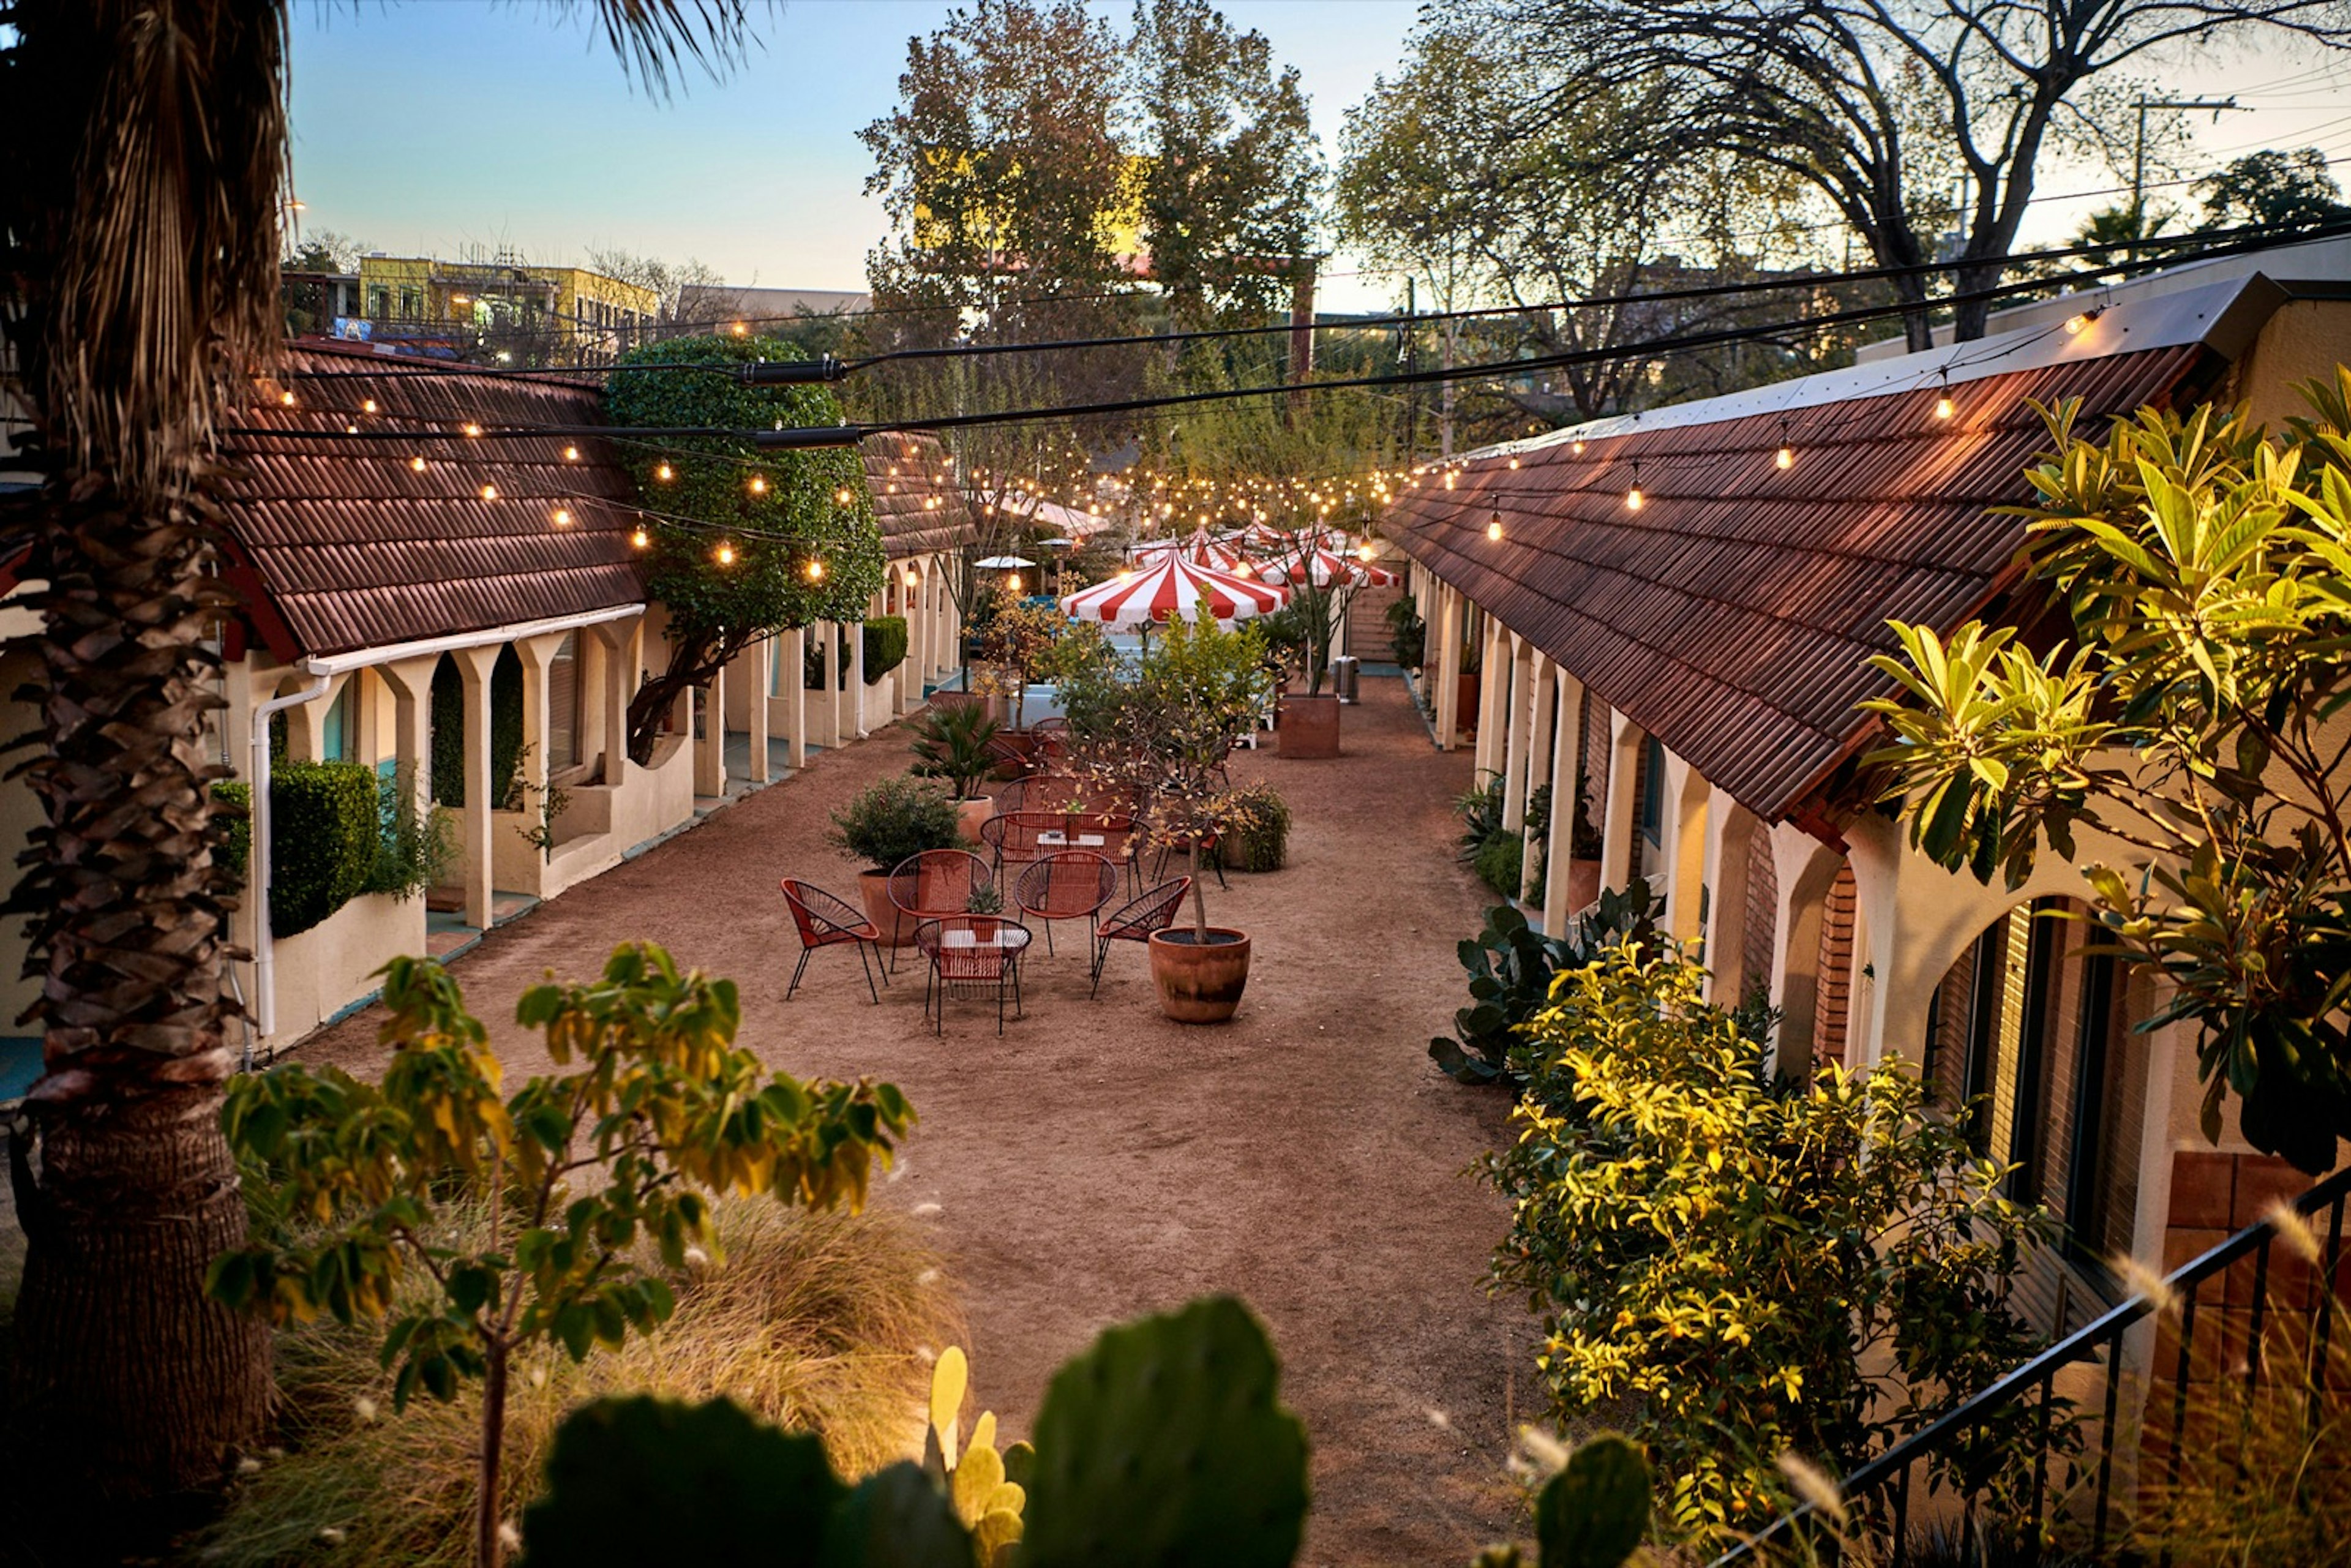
[885, 646]
[325, 833]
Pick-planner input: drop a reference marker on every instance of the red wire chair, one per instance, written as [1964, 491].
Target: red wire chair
[1072, 885]
[826, 920]
[1012, 836]
[1135, 920]
[967, 952]
[937, 884]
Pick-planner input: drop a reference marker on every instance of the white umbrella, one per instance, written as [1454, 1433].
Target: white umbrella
[1002, 562]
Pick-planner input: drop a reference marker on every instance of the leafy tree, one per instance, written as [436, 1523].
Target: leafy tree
[741, 543]
[2272, 189]
[1229, 168]
[323, 250]
[2191, 715]
[1882, 106]
[669, 280]
[574, 1173]
[1739, 1270]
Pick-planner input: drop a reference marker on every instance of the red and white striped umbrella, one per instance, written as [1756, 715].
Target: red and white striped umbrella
[1327, 569]
[1219, 557]
[1171, 587]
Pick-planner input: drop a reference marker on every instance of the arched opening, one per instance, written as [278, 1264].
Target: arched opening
[1833, 992]
[448, 726]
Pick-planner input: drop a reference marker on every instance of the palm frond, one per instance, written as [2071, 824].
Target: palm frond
[656, 38]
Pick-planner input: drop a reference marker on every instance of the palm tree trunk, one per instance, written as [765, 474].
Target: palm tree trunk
[144, 1386]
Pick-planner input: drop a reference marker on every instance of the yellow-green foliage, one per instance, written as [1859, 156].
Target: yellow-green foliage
[981, 1480]
[818, 1323]
[1728, 1264]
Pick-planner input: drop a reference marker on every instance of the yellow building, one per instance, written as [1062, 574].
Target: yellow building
[504, 308]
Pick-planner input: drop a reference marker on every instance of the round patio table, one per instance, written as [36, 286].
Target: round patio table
[972, 951]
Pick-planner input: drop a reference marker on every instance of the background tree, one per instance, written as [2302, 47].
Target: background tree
[677, 311]
[1883, 106]
[2272, 189]
[139, 294]
[742, 543]
[2192, 713]
[1228, 167]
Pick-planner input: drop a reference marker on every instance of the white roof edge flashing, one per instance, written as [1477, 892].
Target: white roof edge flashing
[363, 658]
[2123, 325]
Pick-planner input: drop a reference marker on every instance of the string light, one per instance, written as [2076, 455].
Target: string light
[911, 580]
[1785, 458]
[562, 516]
[350, 430]
[285, 397]
[816, 571]
[641, 538]
[367, 405]
[1514, 463]
[758, 484]
[1013, 582]
[489, 492]
[842, 496]
[473, 429]
[1633, 496]
[725, 553]
[2076, 325]
[1944, 406]
[663, 473]
[571, 455]
[1577, 448]
[417, 463]
[1494, 528]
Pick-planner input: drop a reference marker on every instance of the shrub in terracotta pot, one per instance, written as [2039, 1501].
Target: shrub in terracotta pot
[1165, 737]
[886, 822]
[952, 743]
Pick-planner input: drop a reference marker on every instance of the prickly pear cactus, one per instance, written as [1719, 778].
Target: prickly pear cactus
[1593, 1513]
[1164, 1446]
[895, 1518]
[985, 1496]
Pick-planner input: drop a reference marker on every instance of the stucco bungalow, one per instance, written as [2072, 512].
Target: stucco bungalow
[421, 608]
[1668, 607]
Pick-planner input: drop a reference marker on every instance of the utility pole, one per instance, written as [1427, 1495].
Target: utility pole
[1411, 364]
[2139, 151]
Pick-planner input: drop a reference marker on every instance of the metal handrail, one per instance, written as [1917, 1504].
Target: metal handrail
[2081, 1344]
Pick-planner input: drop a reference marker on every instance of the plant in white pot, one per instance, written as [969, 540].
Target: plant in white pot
[888, 821]
[1165, 736]
[953, 743]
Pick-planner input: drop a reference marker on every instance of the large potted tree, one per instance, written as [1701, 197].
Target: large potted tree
[1321, 585]
[953, 743]
[885, 823]
[1195, 692]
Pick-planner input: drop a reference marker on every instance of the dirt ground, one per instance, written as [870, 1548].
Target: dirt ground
[1099, 1162]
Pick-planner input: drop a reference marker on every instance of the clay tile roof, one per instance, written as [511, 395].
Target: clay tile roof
[916, 498]
[1728, 616]
[340, 546]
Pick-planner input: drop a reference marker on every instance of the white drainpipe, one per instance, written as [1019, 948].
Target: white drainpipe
[264, 945]
[323, 671]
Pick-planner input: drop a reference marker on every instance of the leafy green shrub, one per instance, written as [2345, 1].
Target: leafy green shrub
[1262, 842]
[416, 844]
[1407, 631]
[892, 819]
[885, 646]
[1511, 966]
[1498, 861]
[1480, 811]
[1748, 1271]
[233, 811]
[323, 838]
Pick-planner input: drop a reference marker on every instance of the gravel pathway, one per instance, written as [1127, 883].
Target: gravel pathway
[1099, 1162]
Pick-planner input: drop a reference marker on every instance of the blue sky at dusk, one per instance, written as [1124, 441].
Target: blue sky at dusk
[435, 125]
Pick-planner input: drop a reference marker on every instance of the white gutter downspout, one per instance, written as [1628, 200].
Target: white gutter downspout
[264, 945]
[323, 671]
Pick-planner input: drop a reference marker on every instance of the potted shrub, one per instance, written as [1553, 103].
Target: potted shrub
[1197, 692]
[889, 820]
[1307, 724]
[952, 743]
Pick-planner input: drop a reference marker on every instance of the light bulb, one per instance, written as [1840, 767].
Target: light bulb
[1784, 458]
[641, 538]
[286, 398]
[473, 429]
[662, 472]
[816, 571]
[367, 405]
[417, 463]
[571, 455]
[1633, 499]
[1578, 448]
[489, 492]
[1013, 582]
[911, 580]
[758, 484]
[842, 496]
[1945, 407]
[726, 554]
[741, 330]
[350, 430]
[1494, 528]
[1514, 463]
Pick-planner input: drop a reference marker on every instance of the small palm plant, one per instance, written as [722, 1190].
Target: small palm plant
[953, 743]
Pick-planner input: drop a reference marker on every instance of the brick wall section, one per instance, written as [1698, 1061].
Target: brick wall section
[1832, 998]
[1763, 910]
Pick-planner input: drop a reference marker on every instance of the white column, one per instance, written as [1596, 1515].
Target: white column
[756, 665]
[918, 638]
[857, 676]
[622, 642]
[1448, 668]
[1681, 846]
[1567, 734]
[1543, 705]
[1515, 743]
[1493, 691]
[473, 667]
[795, 698]
[1729, 838]
[409, 681]
[710, 748]
[536, 654]
[1622, 820]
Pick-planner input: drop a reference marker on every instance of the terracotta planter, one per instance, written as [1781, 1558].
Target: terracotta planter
[971, 813]
[897, 927]
[1199, 984]
[1309, 727]
[1583, 884]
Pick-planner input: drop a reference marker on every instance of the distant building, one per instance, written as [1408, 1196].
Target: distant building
[705, 305]
[500, 310]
